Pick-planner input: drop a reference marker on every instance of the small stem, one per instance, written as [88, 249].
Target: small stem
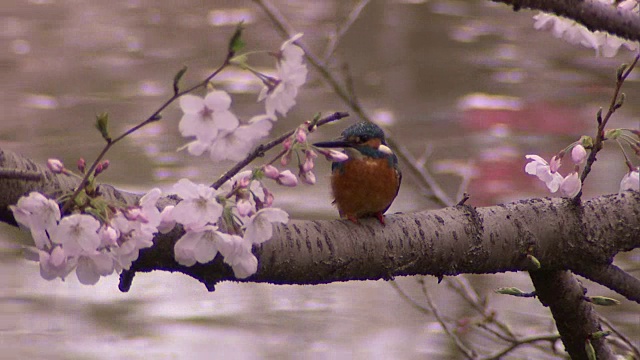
[598, 144]
[261, 149]
[153, 118]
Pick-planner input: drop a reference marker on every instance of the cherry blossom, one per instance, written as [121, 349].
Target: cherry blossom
[77, 233]
[259, 228]
[540, 168]
[39, 214]
[203, 118]
[237, 253]
[55, 264]
[91, 266]
[197, 245]
[291, 74]
[630, 181]
[198, 205]
[570, 185]
[235, 144]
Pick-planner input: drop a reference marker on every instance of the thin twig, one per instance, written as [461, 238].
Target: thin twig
[622, 337]
[468, 353]
[261, 149]
[602, 122]
[425, 180]
[529, 340]
[152, 118]
[335, 39]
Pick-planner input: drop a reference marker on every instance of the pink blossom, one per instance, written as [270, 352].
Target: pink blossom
[578, 154]
[570, 185]
[271, 172]
[287, 178]
[56, 166]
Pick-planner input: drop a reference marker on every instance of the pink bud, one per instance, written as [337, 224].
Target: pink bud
[308, 164]
[571, 185]
[308, 177]
[287, 178]
[287, 143]
[268, 197]
[244, 182]
[58, 257]
[271, 172]
[167, 223]
[310, 154]
[244, 207]
[285, 159]
[108, 236]
[55, 165]
[82, 165]
[337, 156]
[101, 167]
[578, 154]
[301, 135]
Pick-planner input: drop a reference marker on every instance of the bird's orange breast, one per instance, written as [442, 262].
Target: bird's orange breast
[364, 187]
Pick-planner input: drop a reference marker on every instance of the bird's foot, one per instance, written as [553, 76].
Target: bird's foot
[380, 218]
[353, 219]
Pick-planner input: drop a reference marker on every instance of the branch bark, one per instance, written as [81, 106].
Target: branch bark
[593, 14]
[449, 241]
[575, 318]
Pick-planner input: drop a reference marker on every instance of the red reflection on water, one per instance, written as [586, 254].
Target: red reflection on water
[500, 175]
[533, 119]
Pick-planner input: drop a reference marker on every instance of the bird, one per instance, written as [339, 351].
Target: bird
[367, 182]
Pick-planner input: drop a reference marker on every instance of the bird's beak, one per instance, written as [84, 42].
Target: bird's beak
[338, 143]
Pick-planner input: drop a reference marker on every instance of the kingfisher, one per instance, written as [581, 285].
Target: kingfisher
[366, 184]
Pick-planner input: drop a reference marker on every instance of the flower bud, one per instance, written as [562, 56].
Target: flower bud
[571, 185]
[82, 165]
[56, 166]
[578, 154]
[287, 143]
[287, 178]
[336, 156]
[271, 172]
[268, 197]
[308, 177]
[301, 135]
[244, 207]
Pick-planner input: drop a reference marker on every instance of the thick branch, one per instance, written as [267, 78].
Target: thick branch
[593, 14]
[574, 317]
[449, 241]
[612, 277]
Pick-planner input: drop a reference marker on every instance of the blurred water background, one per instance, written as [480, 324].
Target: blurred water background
[467, 86]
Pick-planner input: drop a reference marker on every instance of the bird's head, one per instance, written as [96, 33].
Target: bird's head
[363, 139]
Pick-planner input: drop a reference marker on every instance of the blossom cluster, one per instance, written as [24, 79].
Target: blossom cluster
[202, 214]
[219, 132]
[98, 241]
[575, 33]
[82, 243]
[570, 185]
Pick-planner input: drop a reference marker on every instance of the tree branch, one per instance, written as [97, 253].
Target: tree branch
[593, 14]
[575, 318]
[612, 277]
[449, 241]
